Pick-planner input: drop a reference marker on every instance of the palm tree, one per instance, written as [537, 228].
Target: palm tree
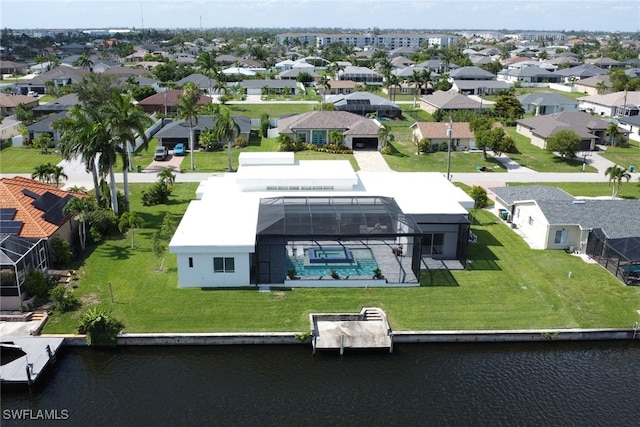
[127, 123]
[188, 110]
[84, 61]
[226, 129]
[392, 82]
[130, 221]
[616, 175]
[80, 207]
[324, 82]
[384, 133]
[601, 87]
[612, 132]
[43, 173]
[167, 177]
[75, 136]
[416, 80]
[426, 77]
[206, 61]
[336, 137]
[57, 172]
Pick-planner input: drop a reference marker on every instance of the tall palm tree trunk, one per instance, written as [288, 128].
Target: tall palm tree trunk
[191, 146]
[114, 193]
[125, 181]
[96, 185]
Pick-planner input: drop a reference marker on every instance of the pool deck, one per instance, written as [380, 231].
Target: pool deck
[368, 329]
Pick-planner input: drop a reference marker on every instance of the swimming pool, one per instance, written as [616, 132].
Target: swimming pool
[363, 263]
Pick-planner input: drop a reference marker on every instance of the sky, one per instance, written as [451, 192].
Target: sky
[535, 15]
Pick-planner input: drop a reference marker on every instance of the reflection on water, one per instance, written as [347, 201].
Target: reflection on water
[433, 384]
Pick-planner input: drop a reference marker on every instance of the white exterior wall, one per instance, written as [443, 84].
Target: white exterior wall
[202, 274]
[534, 234]
[600, 110]
[573, 237]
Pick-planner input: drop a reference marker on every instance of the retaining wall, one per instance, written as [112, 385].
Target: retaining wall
[399, 337]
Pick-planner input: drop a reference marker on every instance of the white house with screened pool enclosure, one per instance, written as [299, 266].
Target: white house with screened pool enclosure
[279, 221]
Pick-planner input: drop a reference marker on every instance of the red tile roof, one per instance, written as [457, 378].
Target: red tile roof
[12, 196]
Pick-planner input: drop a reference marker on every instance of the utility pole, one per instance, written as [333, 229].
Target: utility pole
[450, 135]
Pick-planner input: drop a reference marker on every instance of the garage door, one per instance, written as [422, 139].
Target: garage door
[365, 143]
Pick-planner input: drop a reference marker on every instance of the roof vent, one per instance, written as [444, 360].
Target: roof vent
[578, 202]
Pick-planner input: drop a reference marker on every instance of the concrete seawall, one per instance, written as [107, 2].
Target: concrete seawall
[399, 337]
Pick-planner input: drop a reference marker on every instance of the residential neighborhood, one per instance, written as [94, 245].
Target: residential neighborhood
[391, 152]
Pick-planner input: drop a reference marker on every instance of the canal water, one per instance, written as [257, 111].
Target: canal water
[530, 384]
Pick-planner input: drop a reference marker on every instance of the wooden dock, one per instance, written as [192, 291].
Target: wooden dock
[368, 329]
[40, 352]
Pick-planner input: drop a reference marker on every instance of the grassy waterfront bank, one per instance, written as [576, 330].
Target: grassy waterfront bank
[507, 286]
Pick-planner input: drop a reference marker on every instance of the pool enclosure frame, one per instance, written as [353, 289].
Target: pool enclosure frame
[621, 257]
[373, 222]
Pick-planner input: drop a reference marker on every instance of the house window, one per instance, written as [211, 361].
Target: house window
[433, 244]
[530, 221]
[301, 136]
[223, 265]
[190, 262]
[561, 237]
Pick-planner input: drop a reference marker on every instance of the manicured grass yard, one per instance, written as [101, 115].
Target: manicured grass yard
[507, 286]
[274, 109]
[541, 160]
[624, 156]
[24, 160]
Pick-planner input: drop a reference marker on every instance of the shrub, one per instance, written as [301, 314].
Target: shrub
[158, 193]
[479, 195]
[36, 283]
[61, 252]
[424, 145]
[103, 223]
[291, 273]
[240, 142]
[386, 150]
[63, 300]
[100, 326]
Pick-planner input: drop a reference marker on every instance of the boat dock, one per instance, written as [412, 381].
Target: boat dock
[368, 329]
[26, 368]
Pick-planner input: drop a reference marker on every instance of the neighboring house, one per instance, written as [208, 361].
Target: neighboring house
[624, 104]
[293, 74]
[340, 87]
[607, 63]
[203, 82]
[540, 128]
[46, 126]
[257, 87]
[8, 103]
[549, 218]
[11, 67]
[124, 72]
[630, 125]
[314, 127]
[313, 216]
[580, 72]
[239, 72]
[59, 76]
[596, 85]
[362, 75]
[437, 66]
[57, 105]
[529, 76]
[470, 73]
[9, 127]
[365, 103]
[167, 101]
[177, 131]
[450, 101]
[480, 87]
[462, 137]
[32, 215]
[540, 103]
[402, 62]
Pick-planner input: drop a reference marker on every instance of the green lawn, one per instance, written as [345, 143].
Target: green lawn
[507, 286]
[24, 160]
[630, 190]
[624, 156]
[541, 160]
[274, 109]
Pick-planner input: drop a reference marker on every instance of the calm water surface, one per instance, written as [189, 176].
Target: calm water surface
[538, 384]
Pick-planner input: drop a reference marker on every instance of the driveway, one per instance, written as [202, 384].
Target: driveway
[172, 162]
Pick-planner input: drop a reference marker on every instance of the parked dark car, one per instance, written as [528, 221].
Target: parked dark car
[161, 153]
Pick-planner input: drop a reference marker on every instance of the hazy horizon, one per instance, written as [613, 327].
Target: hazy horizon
[523, 15]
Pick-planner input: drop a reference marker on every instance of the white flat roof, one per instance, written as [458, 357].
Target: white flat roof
[225, 219]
